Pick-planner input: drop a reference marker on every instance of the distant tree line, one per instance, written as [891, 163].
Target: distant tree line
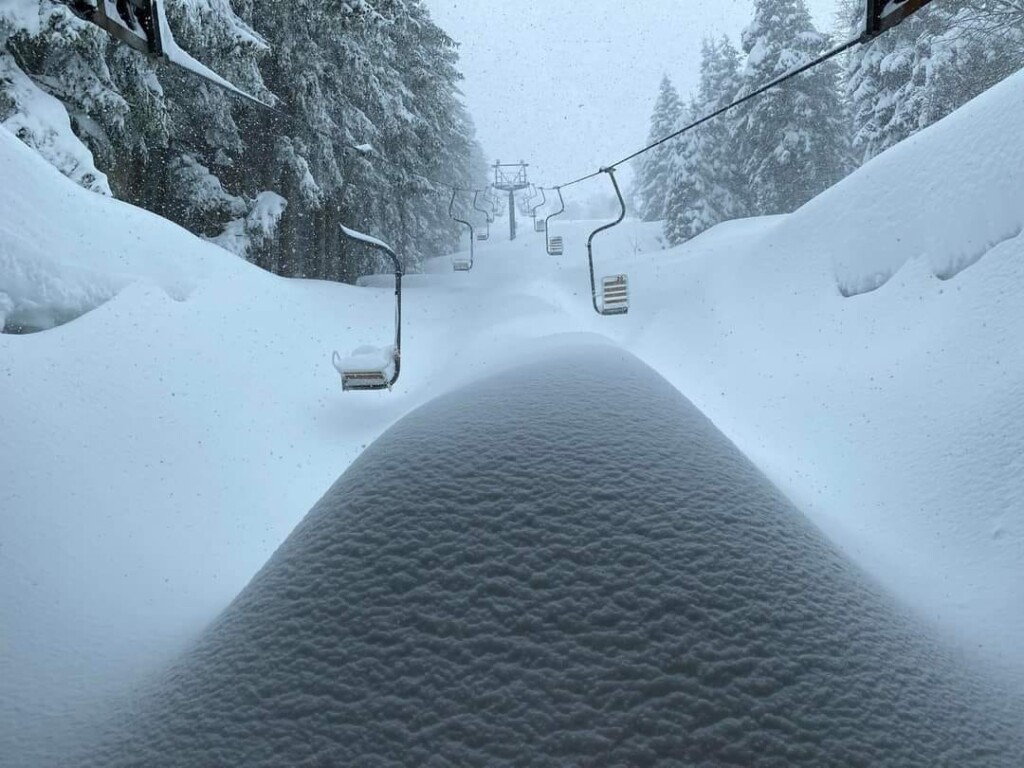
[272, 189]
[777, 151]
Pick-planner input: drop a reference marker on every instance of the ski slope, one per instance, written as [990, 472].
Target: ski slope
[168, 434]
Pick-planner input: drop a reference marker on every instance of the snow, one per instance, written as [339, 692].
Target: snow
[652, 598]
[365, 358]
[64, 251]
[862, 352]
[373, 241]
[255, 227]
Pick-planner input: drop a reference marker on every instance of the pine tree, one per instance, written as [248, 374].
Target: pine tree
[792, 140]
[377, 72]
[656, 166]
[706, 188]
[928, 66]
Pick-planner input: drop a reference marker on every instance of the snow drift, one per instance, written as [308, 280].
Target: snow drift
[65, 251]
[564, 564]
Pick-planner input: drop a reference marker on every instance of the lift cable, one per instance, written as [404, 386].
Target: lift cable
[882, 15]
[832, 53]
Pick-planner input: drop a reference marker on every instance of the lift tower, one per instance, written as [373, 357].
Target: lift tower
[511, 177]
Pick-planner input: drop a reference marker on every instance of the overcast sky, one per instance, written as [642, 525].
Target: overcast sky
[568, 85]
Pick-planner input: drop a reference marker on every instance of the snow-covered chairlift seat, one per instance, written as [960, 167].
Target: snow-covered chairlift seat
[366, 368]
[462, 264]
[370, 368]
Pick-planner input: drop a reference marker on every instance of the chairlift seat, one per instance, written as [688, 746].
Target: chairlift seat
[555, 245]
[538, 225]
[368, 368]
[462, 265]
[482, 236]
[614, 295]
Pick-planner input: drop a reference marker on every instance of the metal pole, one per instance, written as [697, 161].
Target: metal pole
[511, 215]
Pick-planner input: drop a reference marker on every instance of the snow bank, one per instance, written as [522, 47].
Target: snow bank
[949, 196]
[65, 251]
[565, 564]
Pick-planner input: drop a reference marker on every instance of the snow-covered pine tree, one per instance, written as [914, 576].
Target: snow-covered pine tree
[685, 182]
[273, 189]
[928, 66]
[792, 140]
[705, 187]
[654, 173]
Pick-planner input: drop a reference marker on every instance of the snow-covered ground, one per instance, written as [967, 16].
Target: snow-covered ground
[562, 564]
[863, 352]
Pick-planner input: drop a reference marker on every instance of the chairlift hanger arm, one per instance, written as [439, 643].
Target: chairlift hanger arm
[383, 247]
[451, 213]
[547, 221]
[484, 211]
[541, 204]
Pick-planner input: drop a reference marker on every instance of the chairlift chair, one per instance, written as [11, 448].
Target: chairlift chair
[132, 22]
[615, 288]
[487, 218]
[554, 244]
[142, 26]
[459, 262]
[538, 226]
[374, 369]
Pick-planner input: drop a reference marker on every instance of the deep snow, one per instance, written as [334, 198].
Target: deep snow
[565, 564]
[156, 449]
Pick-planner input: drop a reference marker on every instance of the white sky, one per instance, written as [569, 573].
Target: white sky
[568, 85]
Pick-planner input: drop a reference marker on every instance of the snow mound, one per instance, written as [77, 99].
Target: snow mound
[65, 251]
[949, 194]
[564, 564]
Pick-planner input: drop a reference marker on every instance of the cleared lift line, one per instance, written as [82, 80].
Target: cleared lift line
[141, 25]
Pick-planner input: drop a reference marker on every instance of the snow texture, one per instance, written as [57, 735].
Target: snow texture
[566, 564]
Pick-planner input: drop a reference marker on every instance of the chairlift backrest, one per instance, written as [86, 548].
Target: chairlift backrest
[555, 246]
[614, 295]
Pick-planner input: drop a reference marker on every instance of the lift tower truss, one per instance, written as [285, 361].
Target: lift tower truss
[510, 178]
